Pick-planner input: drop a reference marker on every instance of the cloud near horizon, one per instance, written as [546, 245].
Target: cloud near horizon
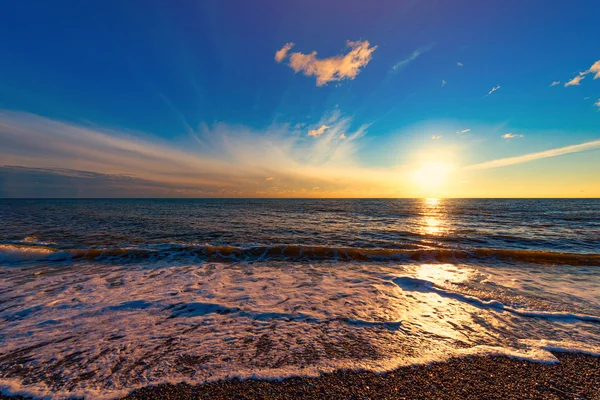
[226, 160]
[335, 68]
[504, 162]
[509, 136]
[319, 131]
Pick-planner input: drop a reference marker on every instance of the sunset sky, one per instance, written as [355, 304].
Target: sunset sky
[300, 99]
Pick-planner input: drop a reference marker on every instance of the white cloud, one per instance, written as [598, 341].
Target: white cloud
[463, 131]
[436, 137]
[319, 131]
[459, 64]
[493, 90]
[342, 136]
[503, 162]
[575, 81]
[509, 136]
[594, 69]
[443, 83]
[335, 68]
[597, 104]
[555, 83]
[415, 54]
[227, 160]
[282, 53]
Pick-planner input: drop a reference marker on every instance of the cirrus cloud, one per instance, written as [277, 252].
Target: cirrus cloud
[509, 136]
[336, 68]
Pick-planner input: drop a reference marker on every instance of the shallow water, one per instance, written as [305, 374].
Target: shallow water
[98, 297]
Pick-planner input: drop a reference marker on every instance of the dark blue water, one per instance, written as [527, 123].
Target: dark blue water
[554, 225]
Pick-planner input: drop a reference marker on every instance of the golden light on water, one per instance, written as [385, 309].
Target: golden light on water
[431, 221]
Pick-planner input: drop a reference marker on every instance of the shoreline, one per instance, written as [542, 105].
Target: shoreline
[575, 376]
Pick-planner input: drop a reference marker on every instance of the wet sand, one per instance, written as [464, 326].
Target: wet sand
[576, 376]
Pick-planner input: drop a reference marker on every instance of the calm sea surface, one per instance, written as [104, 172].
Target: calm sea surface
[98, 297]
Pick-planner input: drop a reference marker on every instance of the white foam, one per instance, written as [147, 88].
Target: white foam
[130, 326]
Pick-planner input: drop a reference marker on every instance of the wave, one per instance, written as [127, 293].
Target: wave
[408, 283]
[15, 253]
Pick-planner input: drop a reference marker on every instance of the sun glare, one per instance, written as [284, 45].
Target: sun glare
[431, 175]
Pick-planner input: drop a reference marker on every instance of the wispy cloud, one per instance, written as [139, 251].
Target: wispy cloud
[319, 131]
[443, 83]
[575, 81]
[436, 137]
[227, 160]
[415, 54]
[597, 104]
[555, 83]
[335, 68]
[594, 69]
[282, 53]
[463, 131]
[504, 162]
[509, 136]
[459, 64]
[270, 178]
[493, 90]
[342, 136]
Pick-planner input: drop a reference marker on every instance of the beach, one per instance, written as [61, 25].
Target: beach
[575, 376]
[456, 308]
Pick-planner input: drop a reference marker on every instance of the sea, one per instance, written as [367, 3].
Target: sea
[99, 297]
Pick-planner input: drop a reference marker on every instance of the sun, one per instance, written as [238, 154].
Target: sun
[431, 175]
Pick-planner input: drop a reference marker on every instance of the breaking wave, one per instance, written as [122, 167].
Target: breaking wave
[16, 253]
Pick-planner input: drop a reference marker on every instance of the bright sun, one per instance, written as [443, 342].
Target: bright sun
[431, 175]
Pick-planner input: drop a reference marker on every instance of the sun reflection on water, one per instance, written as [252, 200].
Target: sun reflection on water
[432, 221]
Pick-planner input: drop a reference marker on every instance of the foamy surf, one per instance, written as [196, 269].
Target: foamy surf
[87, 328]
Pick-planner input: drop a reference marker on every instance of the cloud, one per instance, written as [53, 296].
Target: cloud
[459, 64]
[509, 136]
[597, 104]
[335, 68]
[269, 178]
[436, 137]
[594, 69]
[415, 54]
[555, 83]
[463, 131]
[342, 136]
[226, 161]
[503, 162]
[319, 131]
[443, 83]
[493, 90]
[575, 81]
[282, 53]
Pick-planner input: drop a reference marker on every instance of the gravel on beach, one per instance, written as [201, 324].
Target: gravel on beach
[576, 376]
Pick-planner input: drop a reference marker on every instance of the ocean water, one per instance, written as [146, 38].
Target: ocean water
[98, 297]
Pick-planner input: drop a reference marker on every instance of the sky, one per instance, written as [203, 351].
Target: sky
[405, 98]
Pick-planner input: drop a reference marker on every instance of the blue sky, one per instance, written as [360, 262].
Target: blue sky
[191, 91]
